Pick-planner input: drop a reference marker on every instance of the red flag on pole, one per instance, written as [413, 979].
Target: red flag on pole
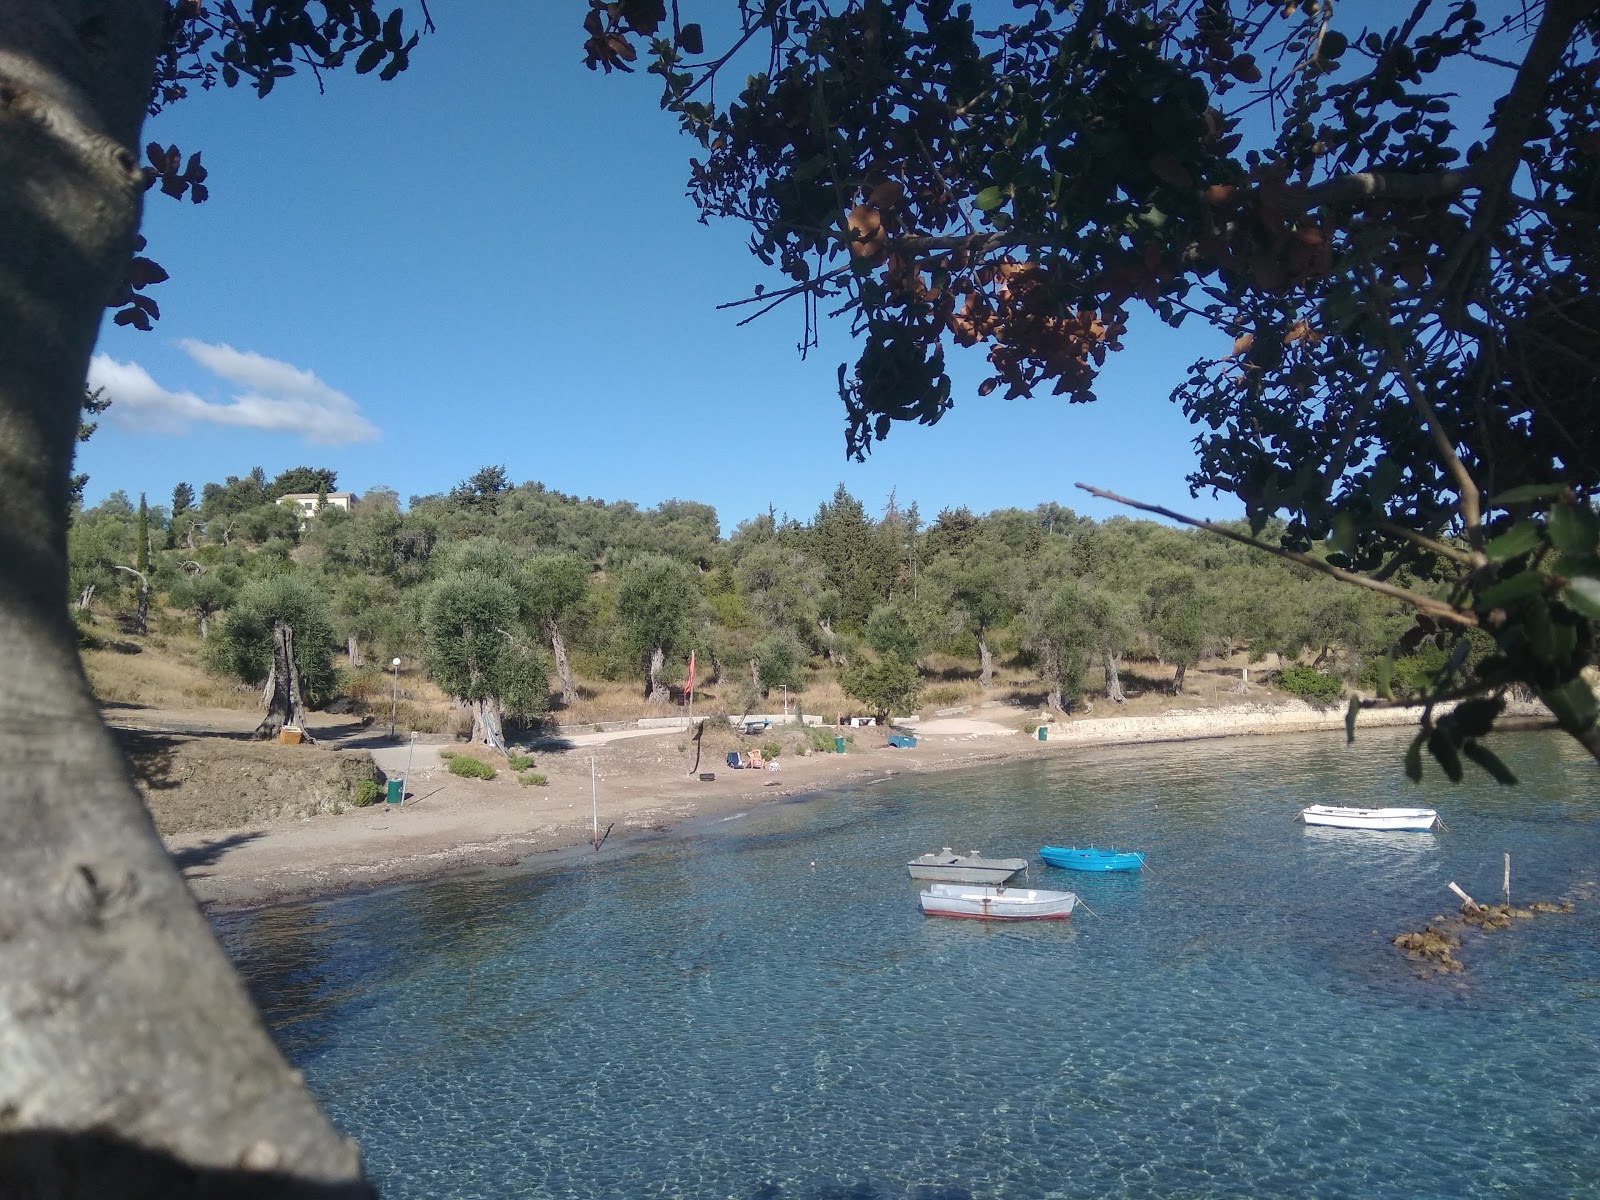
[688, 688]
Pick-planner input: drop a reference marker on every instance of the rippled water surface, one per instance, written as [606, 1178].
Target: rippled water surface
[709, 1014]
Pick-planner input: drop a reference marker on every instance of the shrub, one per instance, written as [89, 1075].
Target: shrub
[771, 749]
[1310, 684]
[821, 739]
[1030, 727]
[471, 768]
[519, 762]
[447, 754]
[533, 779]
[367, 792]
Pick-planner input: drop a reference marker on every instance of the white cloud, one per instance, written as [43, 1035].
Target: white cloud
[274, 395]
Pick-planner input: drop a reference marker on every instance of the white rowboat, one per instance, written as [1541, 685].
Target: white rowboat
[997, 904]
[1419, 820]
[949, 867]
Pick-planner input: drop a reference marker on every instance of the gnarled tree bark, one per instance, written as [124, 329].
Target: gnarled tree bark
[558, 650]
[286, 703]
[985, 662]
[1113, 679]
[133, 1060]
[656, 692]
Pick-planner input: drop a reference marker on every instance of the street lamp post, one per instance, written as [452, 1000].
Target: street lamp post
[394, 698]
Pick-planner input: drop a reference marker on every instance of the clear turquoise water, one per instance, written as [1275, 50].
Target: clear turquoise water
[706, 1014]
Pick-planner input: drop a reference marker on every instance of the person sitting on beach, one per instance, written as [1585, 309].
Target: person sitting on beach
[756, 761]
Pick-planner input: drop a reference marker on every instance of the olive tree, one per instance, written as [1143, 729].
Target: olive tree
[657, 600]
[278, 634]
[479, 651]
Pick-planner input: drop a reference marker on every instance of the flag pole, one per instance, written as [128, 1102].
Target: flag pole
[594, 800]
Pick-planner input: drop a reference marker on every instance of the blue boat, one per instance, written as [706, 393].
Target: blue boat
[1074, 858]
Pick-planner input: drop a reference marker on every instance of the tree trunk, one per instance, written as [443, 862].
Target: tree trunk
[985, 662]
[1113, 679]
[488, 724]
[827, 632]
[144, 608]
[558, 649]
[1322, 657]
[1177, 679]
[1054, 698]
[352, 649]
[134, 1060]
[205, 626]
[655, 691]
[85, 598]
[287, 705]
[755, 675]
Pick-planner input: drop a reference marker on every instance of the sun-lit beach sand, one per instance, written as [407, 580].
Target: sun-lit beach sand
[643, 783]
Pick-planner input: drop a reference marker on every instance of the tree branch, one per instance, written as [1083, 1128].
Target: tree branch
[1423, 604]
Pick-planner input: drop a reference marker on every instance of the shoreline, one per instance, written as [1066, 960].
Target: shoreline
[449, 827]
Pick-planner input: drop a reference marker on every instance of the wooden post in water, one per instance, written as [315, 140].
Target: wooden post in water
[1508, 879]
[594, 801]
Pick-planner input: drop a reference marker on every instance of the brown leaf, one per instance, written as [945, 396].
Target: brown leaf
[1242, 344]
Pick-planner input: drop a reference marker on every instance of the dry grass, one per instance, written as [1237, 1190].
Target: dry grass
[162, 671]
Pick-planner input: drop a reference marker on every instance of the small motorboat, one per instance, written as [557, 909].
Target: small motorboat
[1075, 858]
[997, 903]
[949, 867]
[1418, 820]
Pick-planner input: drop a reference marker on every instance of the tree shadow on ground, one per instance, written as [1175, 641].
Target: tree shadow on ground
[150, 756]
[70, 1163]
[207, 853]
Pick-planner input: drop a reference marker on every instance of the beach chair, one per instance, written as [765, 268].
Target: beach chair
[733, 760]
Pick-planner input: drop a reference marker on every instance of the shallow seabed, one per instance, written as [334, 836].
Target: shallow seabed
[756, 1008]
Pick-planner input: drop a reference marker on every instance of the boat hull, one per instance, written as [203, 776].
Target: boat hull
[997, 904]
[1412, 820]
[1072, 858]
[949, 867]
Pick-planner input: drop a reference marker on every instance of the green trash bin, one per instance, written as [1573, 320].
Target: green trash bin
[838, 745]
[395, 795]
[1043, 730]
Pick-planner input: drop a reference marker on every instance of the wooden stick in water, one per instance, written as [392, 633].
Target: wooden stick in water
[1466, 899]
[1508, 878]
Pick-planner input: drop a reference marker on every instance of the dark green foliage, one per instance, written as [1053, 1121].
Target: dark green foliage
[886, 685]
[303, 480]
[468, 767]
[243, 647]
[1309, 684]
[771, 750]
[141, 544]
[368, 792]
[889, 631]
[481, 491]
[657, 601]
[477, 650]
[777, 661]
[182, 500]
[518, 762]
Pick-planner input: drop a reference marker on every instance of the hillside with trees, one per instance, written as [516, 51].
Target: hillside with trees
[520, 603]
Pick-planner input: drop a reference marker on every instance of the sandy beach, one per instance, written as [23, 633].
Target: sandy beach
[643, 781]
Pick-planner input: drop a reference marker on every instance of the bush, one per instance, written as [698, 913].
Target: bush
[821, 739]
[447, 754]
[519, 762]
[1310, 684]
[367, 792]
[533, 779]
[471, 768]
[771, 749]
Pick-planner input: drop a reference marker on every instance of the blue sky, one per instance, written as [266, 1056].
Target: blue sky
[491, 260]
